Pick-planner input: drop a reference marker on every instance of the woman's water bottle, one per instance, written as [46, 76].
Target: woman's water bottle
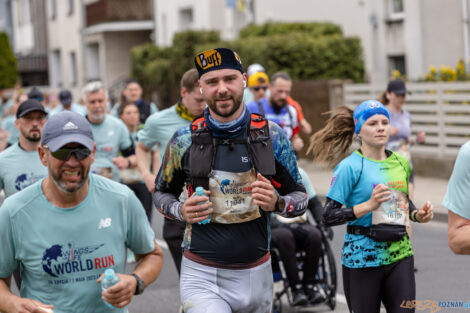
[200, 192]
[110, 278]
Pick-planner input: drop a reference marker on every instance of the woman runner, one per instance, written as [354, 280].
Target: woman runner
[369, 191]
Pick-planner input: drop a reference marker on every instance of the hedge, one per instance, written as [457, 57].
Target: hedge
[302, 56]
[8, 64]
[270, 29]
[278, 47]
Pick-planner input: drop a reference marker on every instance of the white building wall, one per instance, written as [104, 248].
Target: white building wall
[430, 31]
[64, 33]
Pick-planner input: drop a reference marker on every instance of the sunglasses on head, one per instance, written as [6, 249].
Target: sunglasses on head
[257, 88]
[65, 153]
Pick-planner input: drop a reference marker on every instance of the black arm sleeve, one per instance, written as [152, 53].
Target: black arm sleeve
[334, 213]
[128, 151]
[316, 208]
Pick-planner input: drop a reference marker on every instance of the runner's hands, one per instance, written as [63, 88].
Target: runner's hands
[380, 194]
[194, 212]
[121, 162]
[121, 294]
[425, 214]
[263, 193]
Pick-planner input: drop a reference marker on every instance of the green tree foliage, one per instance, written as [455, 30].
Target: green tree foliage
[270, 29]
[8, 64]
[305, 50]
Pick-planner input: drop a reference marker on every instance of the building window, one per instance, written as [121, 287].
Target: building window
[56, 69]
[25, 15]
[397, 62]
[396, 10]
[92, 54]
[53, 9]
[186, 19]
[73, 69]
[70, 7]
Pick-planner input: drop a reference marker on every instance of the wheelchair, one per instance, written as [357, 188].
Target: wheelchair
[325, 279]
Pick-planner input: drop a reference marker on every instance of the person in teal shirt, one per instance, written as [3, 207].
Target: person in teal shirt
[372, 185]
[114, 147]
[67, 229]
[457, 201]
[20, 164]
[157, 132]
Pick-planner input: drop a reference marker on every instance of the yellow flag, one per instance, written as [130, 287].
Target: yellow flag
[241, 6]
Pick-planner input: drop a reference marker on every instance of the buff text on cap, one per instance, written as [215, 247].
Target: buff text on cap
[217, 59]
[365, 110]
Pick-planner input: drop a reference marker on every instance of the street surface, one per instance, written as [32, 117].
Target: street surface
[441, 276]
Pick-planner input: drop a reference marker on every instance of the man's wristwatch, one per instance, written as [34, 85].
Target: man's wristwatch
[139, 288]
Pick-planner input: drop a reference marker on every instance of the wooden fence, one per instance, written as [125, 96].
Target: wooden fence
[441, 110]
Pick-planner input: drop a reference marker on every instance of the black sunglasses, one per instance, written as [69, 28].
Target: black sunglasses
[64, 154]
[257, 88]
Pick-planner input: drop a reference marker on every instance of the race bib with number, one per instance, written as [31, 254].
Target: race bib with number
[231, 197]
[395, 211]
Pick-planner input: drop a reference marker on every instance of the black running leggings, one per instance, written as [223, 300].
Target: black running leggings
[391, 284]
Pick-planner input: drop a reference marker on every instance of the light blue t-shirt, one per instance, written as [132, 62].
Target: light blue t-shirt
[19, 169]
[8, 124]
[63, 252]
[457, 198]
[159, 128]
[111, 136]
[353, 181]
[75, 107]
[307, 183]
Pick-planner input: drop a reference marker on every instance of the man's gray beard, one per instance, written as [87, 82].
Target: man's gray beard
[64, 189]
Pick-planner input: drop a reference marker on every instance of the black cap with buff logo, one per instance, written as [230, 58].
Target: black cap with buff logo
[217, 59]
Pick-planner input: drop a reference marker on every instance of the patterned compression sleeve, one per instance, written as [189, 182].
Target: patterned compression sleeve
[168, 205]
[334, 213]
[295, 204]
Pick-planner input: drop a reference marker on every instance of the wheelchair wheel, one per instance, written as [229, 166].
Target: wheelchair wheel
[327, 275]
[277, 306]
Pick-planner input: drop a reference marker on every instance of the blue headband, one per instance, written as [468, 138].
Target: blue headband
[365, 110]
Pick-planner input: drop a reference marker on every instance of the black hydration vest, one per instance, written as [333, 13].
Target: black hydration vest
[203, 148]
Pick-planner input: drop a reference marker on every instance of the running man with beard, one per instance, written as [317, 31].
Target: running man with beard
[67, 229]
[114, 147]
[248, 170]
[276, 108]
[20, 164]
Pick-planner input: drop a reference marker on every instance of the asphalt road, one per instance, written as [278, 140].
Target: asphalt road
[441, 276]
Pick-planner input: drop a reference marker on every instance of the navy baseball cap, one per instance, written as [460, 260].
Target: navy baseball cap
[35, 93]
[397, 87]
[28, 106]
[65, 97]
[217, 59]
[66, 127]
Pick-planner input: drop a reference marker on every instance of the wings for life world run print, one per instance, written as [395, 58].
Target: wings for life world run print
[69, 264]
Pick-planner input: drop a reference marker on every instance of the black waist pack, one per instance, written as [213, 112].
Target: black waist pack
[379, 232]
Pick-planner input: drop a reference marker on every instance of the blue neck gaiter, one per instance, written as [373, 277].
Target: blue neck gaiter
[227, 130]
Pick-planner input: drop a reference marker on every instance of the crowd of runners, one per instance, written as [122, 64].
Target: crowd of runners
[81, 178]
